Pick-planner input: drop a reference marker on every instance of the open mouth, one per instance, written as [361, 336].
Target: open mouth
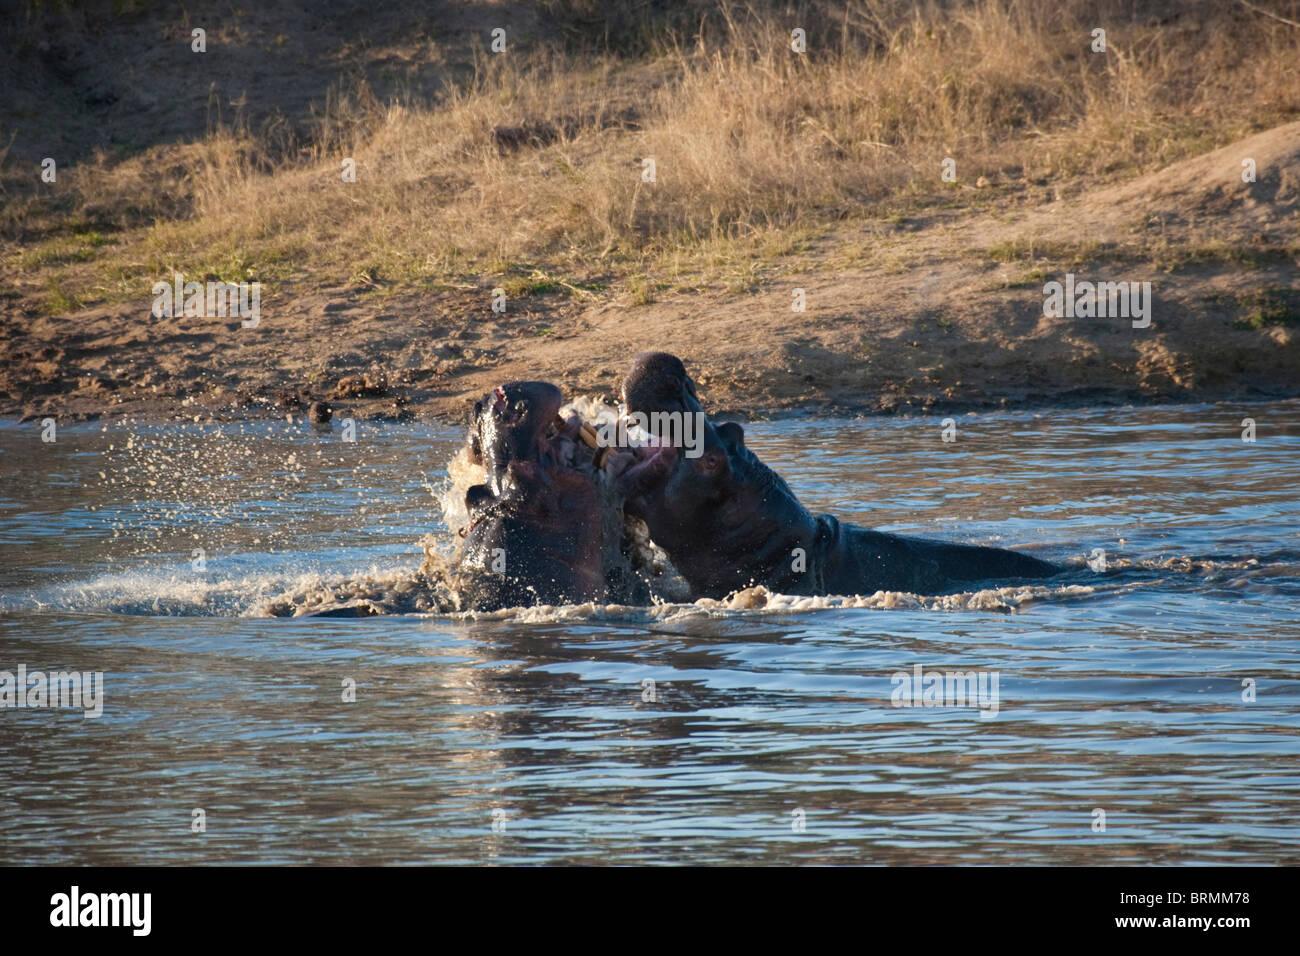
[651, 463]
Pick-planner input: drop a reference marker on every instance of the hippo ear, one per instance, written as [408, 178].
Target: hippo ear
[732, 434]
[476, 497]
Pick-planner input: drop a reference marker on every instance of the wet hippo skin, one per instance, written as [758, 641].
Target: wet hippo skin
[531, 538]
[728, 521]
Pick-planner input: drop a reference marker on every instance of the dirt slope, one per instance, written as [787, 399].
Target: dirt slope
[946, 313]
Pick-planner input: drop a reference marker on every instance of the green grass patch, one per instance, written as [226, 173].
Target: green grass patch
[1067, 253]
[1274, 306]
[64, 250]
[1221, 252]
[57, 300]
[520, 286]
[1031, 279]
[537, 282]
[642, 289]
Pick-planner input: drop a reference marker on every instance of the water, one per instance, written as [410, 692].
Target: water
[1119, 690]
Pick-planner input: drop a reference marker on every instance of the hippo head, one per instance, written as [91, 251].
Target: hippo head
[668, 480]
[511, 432]
[658, 381]
[534, 527]
[720, 513]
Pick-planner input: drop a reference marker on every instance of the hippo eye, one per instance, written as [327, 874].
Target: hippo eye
[712, 462]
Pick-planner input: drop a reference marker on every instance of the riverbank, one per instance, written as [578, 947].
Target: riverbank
[943, 312]
[921, 243]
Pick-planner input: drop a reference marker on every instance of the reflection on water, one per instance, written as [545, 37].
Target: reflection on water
[139, 551]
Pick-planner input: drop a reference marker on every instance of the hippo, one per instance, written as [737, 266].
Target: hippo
[727, 521]
[531, 537]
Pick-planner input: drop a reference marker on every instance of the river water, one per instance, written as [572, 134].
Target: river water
[1147, 704]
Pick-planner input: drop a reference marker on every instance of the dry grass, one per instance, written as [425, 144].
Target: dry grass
[756, 149]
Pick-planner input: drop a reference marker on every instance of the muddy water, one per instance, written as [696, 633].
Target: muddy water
[767, 734]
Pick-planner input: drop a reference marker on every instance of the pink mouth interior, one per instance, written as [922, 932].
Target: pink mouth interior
[656, 455]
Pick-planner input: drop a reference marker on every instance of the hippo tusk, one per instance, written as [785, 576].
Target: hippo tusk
[592, 441]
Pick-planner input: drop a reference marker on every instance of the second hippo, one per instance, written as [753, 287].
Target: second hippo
[728, 521]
